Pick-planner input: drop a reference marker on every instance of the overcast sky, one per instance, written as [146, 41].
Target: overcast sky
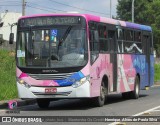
[97, 7]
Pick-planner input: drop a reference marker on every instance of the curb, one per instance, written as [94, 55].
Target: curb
[4, 104]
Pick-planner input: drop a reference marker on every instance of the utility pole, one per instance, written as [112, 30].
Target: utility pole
[23, 7]
[110, 8]
[133, 11]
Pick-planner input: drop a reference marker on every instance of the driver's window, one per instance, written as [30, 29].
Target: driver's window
[94, 42]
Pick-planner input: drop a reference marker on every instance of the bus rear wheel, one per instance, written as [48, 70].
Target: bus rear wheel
[135, 93]
[100, 100]
[43, 103]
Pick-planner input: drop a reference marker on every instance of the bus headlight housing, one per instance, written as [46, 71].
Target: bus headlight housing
[22, 82]
[81, 81]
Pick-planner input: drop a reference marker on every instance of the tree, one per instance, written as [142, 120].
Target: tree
[153, 18]
[124, 10]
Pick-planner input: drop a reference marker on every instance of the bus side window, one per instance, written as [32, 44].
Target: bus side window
[119, 34]
[103, 42]
[138, 42]
[94, 41]
[93, 36]
[94, 45]
[129, 35]
[120, 37]
[129, 44]
[144, 42]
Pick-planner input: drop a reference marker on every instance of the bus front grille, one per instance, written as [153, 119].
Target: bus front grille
[51, 76]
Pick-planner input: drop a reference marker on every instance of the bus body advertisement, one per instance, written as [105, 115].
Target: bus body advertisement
[82, 56]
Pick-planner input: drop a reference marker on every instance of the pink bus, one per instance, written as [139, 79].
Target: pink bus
[65, 56]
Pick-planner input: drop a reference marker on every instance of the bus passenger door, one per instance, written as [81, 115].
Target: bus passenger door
[113, 56]
[147, 52]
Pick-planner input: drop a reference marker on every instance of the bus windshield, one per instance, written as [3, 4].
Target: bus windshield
[57, 47]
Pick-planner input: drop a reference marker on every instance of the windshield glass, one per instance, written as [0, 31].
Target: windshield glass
[56, 47]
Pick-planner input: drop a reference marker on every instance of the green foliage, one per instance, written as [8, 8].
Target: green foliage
[153, 18]
[8, 89]
[124, 10]
[157, 72]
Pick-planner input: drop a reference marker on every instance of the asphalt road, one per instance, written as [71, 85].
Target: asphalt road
[115, 106]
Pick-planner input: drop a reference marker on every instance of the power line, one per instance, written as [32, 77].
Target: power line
[10, 5]
[78, 7]
[40, 8]
[46, 7]
[9, 1]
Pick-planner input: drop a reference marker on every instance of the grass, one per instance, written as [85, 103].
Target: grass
[8, 89]
[157, 72]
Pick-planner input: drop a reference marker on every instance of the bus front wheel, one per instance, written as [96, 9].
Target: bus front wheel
[100, 100]
[43, 103]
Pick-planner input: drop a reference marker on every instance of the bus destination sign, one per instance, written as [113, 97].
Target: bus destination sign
[46, 21]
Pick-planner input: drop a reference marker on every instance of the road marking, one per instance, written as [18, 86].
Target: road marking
[138, 114]
[155, 111]
[141, 113]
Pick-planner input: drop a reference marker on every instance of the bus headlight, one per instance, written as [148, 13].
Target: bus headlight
[81, 82]
[22, 82]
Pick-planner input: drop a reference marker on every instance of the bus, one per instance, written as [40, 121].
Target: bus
[68, 56]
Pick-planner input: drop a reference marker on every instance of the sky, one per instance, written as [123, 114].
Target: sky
[96, 7]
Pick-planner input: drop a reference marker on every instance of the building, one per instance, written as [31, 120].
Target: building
[8, 19]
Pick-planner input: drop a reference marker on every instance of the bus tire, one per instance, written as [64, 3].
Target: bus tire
[135, 93]
[43, 103]
[100, 100]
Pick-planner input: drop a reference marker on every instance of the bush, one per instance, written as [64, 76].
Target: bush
[157, 72]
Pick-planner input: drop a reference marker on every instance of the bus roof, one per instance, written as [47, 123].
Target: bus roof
[90, 17]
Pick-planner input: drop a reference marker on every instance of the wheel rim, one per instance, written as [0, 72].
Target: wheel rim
[102, 94]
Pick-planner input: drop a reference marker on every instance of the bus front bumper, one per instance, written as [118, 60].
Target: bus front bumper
[82, 91]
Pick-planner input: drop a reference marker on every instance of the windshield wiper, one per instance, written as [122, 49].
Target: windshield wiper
[66, 33]
[64, 37]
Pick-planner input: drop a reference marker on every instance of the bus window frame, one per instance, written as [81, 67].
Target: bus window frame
[125, 39]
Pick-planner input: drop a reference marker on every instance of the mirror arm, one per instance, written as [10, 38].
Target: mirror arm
[13, 24]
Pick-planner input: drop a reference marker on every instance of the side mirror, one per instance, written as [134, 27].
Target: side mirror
[11, 38]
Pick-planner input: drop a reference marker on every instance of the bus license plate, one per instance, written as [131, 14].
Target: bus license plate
[50, 90]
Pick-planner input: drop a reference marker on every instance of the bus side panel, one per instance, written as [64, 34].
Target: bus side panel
[141, 67]
[99, 68]
[126, 73]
